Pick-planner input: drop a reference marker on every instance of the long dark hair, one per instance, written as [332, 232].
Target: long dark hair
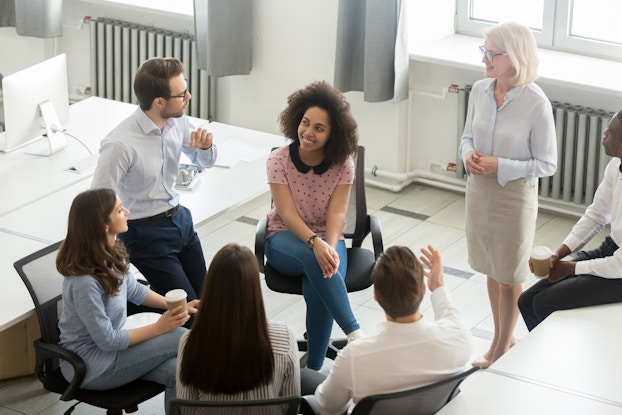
[228, 349]
[343, 136]
[85, 250]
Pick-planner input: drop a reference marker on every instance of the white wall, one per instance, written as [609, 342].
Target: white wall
[294, 44]
[18, 52]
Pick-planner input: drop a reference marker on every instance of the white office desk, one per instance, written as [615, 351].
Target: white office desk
[16, 302]
[492, 394]
[217, 190]
[46, 219]
[572, 350]
[27, 178]
[37, 205]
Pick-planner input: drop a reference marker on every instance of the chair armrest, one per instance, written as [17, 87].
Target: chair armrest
[260, 240]
[332, 351]
[309, 406]
[376, 235]
[47, 353]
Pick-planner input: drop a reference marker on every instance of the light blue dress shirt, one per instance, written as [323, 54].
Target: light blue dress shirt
[141, 162]
[521, 133]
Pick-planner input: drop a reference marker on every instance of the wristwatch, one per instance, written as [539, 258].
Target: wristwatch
[311, 239]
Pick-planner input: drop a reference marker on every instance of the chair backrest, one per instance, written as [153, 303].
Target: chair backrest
[356, 216]
[276, 406]
[45, 285]
[425, 400]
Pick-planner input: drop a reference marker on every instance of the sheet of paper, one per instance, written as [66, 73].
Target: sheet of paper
[231, 152]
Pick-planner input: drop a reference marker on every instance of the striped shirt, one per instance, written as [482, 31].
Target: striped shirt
[286, 379]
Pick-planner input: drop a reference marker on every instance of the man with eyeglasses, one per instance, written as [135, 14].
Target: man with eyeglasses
[139, 159]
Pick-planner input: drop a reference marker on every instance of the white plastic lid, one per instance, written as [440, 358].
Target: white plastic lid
[540, 252]
[175, 295]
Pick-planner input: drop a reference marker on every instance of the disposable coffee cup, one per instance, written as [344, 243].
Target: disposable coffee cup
[541, 260]
[175, 298]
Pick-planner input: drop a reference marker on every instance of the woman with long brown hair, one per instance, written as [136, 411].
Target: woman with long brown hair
[233, 352]
[96, 289]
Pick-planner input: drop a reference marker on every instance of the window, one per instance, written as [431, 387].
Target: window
[587, 27]
[182, 7]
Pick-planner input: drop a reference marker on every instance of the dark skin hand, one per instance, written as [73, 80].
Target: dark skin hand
[558, 270]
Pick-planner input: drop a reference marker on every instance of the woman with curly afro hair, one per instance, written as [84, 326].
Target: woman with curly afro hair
[310, 181]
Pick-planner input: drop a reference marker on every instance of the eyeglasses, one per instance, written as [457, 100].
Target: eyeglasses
[183, 96]
[489, 54]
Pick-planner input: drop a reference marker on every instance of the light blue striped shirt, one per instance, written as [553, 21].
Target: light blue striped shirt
[141, 162]
[91, 322]
[521, 133]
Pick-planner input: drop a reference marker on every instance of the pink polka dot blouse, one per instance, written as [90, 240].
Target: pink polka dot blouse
[311, 189]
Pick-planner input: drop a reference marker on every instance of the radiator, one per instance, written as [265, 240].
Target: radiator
[581, 158]
[118, 48]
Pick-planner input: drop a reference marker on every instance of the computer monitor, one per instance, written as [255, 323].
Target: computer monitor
[36, 106]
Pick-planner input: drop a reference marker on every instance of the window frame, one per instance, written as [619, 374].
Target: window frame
[180, 7]
[554, 34]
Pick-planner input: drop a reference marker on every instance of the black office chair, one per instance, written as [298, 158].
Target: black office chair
[44, 283]
[424, 400]
[360, 260]
[276, 406]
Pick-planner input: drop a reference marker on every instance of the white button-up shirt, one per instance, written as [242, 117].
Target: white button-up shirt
[401, 356]
[606, 208]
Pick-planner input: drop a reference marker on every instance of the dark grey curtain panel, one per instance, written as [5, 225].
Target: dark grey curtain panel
[39, 18]
[7, 13]
[224, 38]
[372, 51]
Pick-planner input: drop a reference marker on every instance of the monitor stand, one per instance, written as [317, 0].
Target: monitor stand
[55, 140]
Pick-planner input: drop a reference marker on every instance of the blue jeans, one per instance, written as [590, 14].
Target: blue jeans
[326, 298]
[154, 359]
[167, 251]
[574, 291]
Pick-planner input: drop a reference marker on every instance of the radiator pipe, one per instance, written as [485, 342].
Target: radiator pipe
[419, 175]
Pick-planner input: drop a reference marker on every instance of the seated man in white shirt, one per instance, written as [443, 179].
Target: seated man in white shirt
[591, 277]
[408, 351]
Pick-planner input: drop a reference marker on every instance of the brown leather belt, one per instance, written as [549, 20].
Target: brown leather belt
[166, 214]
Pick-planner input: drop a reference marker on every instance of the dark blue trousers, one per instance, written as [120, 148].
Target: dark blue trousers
[167, 251]
[574, 291]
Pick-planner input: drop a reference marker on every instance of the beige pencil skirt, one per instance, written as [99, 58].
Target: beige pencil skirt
[500, 226]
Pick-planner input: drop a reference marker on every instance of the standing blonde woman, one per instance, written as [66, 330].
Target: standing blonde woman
[508, 143]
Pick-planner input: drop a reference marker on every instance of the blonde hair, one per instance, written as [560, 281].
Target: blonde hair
[520, 45]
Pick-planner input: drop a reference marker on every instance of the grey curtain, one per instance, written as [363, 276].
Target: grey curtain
[223, 31]
[372, 51]
[39, 18]
[7, 13]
